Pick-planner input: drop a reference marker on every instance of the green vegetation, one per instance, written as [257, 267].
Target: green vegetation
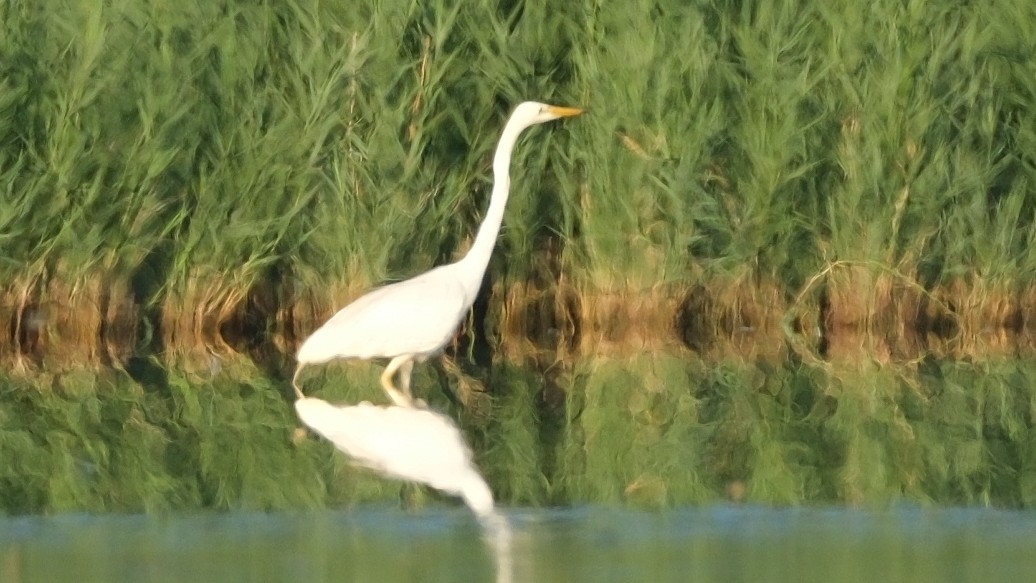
[188, 188]
[213, 176]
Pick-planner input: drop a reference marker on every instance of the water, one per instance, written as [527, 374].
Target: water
[656, 467]
[588, 543]
[655, 431]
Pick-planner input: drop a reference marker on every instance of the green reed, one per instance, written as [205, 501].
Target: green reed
[203, 160]
[199, 154]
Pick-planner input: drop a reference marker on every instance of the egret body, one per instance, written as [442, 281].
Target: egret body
[414, 319]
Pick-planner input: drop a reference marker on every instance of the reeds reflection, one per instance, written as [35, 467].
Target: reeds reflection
[652, 430]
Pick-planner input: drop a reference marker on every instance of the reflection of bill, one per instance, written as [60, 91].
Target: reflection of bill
[498, 535]
[417, 445]
[407, 443]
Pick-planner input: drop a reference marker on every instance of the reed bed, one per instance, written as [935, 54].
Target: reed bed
[205, 178]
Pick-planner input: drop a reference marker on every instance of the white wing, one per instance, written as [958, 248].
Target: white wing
[418, 316]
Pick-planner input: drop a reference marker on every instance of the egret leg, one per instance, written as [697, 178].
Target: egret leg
[400, 399]
[404, 377]
[404, 383]
[295, 381]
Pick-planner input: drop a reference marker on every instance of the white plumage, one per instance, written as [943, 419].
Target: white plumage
[357, 331]
[414, 319]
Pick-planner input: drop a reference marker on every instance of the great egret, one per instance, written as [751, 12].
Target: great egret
[417, 445]
[414, 319]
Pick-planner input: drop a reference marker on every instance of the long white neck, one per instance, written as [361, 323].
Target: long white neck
[473, 265]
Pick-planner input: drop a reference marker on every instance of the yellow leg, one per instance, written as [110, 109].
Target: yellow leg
[404, 383]
[295, 382]
[399, 398]
[404, 377]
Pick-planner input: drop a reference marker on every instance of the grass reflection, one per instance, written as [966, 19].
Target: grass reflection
[655, 430]
[937, 433]
[641, 446]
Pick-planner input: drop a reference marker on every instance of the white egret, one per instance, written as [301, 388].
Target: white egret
[417, 445]
[414, 319]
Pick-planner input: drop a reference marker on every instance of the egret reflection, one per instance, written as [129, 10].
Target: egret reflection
[417, 445]
[407, 443]
[497, 531]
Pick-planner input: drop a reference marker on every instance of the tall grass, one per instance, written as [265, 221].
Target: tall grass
[212, 177]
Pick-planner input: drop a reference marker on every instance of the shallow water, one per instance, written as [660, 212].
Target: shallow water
[374, 543]
[653, 431]
[658, 467]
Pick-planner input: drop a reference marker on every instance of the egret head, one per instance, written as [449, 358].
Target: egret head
[532, 112]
